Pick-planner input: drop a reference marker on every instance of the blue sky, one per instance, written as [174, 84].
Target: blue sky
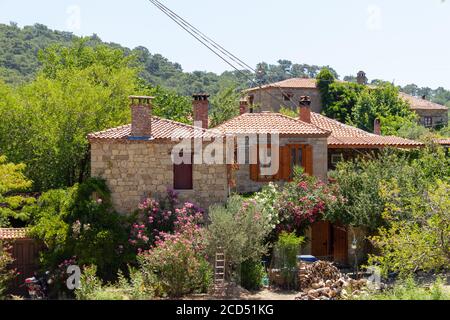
[401, 40]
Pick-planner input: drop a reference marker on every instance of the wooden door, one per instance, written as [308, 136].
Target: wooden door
[340, 243]
[320, 240]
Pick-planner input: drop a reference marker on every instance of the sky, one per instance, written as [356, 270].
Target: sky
[405, 41]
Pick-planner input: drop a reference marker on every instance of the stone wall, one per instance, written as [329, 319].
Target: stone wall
[320, 164]
[138, 169]
[271, 99]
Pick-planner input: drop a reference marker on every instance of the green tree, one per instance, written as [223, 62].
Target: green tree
[380, 102]
[81, 89]
[418, 234]
[224, 106]
[12, 180]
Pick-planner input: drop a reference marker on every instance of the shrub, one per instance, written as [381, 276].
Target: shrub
[252, 273]
[92, 287]
[154, 217]
[74, 224]
[302, 202]
[418, 234]
[12, 179]
[177, 262]
[410, 290]
[238, 229]
[6, 274]
[359, 182]
[285, 254]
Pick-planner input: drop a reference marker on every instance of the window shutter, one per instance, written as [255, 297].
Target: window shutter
[254, 172]
[285, 163]
[308, 164]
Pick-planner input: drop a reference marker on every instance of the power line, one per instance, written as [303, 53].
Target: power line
[209, 44]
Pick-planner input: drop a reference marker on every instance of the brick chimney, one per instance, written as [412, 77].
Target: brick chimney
[361, 78]
[141, 125]
[200, 105]
[305, 109]
[243, 106]
[377, 127]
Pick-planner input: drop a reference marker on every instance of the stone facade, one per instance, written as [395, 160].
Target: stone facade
[438, 117]
[320, 163]
[271, 99]
[138, 169]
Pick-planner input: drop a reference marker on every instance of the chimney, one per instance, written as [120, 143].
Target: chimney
[305, 109]
[361, 78]
[141, 125]
[424, 97]
[243, 105]
[251, 99]
[377, 127]
[200, 105]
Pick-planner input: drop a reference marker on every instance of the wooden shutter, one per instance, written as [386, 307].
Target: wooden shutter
[285, 163]
[254, 167]
[308, 159]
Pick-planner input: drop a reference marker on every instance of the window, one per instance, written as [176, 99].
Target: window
[335, 158]
[182, 176]
[290, 156]
[287, 96]
[428, 121]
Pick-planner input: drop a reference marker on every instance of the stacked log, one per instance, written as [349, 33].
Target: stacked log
[321, 280]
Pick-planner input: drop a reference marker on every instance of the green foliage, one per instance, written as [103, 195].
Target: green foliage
[418, 232]
[6, 274]
[380, 102]
[410, 290]
[361, 181]
[287, 248]
[177, 268]
[167, 104]
[288, 112]
[360, 105]
[80, 89]
[302, 202]
[73, 224]
[252, 273]
[224, 106]
[285, 254]
[238, 229]
[12, 179]
[92, 287]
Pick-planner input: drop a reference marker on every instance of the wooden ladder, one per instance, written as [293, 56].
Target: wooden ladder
[219, 272]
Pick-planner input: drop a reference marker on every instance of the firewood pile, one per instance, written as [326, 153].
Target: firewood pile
[321, 280]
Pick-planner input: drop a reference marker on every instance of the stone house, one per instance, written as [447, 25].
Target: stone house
[431, 115]
[140, 159]
[273, 96]
[286, 93]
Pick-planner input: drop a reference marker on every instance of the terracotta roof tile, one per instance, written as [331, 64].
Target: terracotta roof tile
[268, 122]
[289, 83]
[161, 129]
[345, 135]
[13, 233]
[444, 142]
[421, 104]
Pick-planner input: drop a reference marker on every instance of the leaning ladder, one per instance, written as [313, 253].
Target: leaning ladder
[219, 272]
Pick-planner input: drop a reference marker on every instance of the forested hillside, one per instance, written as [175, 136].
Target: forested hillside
[19, 63]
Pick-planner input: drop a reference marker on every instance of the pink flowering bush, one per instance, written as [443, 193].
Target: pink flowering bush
[303, 202]
[177, 262]
[156, 219]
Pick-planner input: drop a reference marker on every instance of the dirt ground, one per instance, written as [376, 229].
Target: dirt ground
[242, 294]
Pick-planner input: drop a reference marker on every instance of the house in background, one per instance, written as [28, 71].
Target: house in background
[285, 93]
[431, 115]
